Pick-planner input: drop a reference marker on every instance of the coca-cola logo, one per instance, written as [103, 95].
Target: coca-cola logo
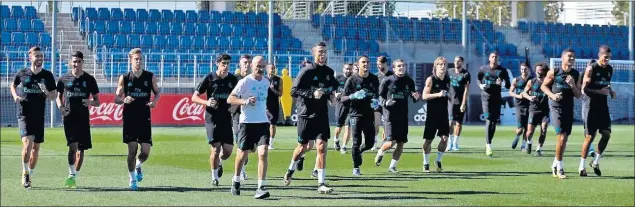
[107, 112]
[185, 110]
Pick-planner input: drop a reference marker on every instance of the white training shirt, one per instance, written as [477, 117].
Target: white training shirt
[247, 87]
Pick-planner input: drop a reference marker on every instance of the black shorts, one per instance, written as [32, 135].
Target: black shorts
[217, 130]
[137, 130]
[537, 117]
[32, 126]
[562, 119]
[77, 130]
[362, 126]
[275, 114]
[522, 116]
[251, 135]
[396, 131]
[437, 127]
[312, 129]
[455, 113]
[600, 120]
[491, 108]
[341, 115]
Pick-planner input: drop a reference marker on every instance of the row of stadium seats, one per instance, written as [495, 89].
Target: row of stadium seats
[154, 15]
[178, 28]
[25, 38]
[189, 42]
[12, 67]
[17, 12]
[11, 25]
[572, 29]
[355, 45]
[20, 53]
[555, 50]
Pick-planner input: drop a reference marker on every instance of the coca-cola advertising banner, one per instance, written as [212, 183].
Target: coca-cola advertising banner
[172, 109]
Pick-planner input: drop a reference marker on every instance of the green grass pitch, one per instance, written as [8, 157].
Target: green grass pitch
[178, 173]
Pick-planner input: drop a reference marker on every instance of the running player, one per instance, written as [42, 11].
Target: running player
[459, 89]
[244, 63]
[394, 92]
[521, 104]
[273, 100]
[341, 109]
[538, 108]
[217, 87]
[360, 92]
[38, 86]
[312, 88]
[382, 66]
[597, 86]
[490, 80]
[134, 91]
[560, 86]
[251, 94]
[436, 95]
[74, 91]
[584, 98]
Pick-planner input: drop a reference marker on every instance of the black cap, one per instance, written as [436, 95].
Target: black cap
[78, 54]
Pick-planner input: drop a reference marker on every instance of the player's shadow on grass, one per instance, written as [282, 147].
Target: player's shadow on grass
[402, 177]
[142, 189]
[438, 193]
[379, 197]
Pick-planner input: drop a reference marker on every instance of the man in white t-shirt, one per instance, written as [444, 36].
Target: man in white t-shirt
[251, 94]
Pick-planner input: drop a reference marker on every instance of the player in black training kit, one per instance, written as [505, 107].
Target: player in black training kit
[597, 86]
[384, 72]
[273, 100]
[538, 108]
[584, 107]
[244, 64]
[491, 78]
[521, 104]
[134, 90]
[361, 93]
[312, 88]
[394, 92]
[460, 80]
[341, 109]
[435, 94]
[217, 86]
[75, 89]
[38, 86]
[561, 87]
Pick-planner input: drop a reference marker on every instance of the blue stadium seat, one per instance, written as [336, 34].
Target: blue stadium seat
[91, 13]
[142, 15]
[223, 42]
[214, 29]
[176, 28]
[32, 39]
[45, 39]
[201, 29]
[238, 30]
[17, 12]
[262, 32]
[100, 26]
[164, 28]
[225, 30]
[185, 42]
[37, 25]
[103, 14]
[228, 17]
[191, 16]
[235, 43]
[154, 15]
[248, 42]
[216, 17]
[198, 42]
[189, 28]
[172, 41]
[107, 40]
[138, 27]
[152, 28]
[159, 41]
[134, 41]
[210, 42]
[10, 25]
[24, 25]
[112, 27]
[261, 43]
[262, 18]
[179, 16]
[129, 14]
[5, 12]
[239, 17]
[251, 18]
[116, 14]
[125, 27]
[146, 41]
[121, 41]
[167, 15]
[6, 37]
[30, 12]
[203, 16]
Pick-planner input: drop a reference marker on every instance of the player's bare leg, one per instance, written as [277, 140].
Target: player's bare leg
[73, 161]
[322, 146]
[35, 153]
[557, 163]
[272, 134]
[27, 147]
[382, 150]
[588, 140]
[441, 149]
[602, 144]
[426, 153]
[214, 161]
[345, 139]
[241, 155]
[132, 157]
[263, 157]
[225, 153]
[143, 156]
[297, 157]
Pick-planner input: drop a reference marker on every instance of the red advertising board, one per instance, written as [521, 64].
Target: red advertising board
[172, 109]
